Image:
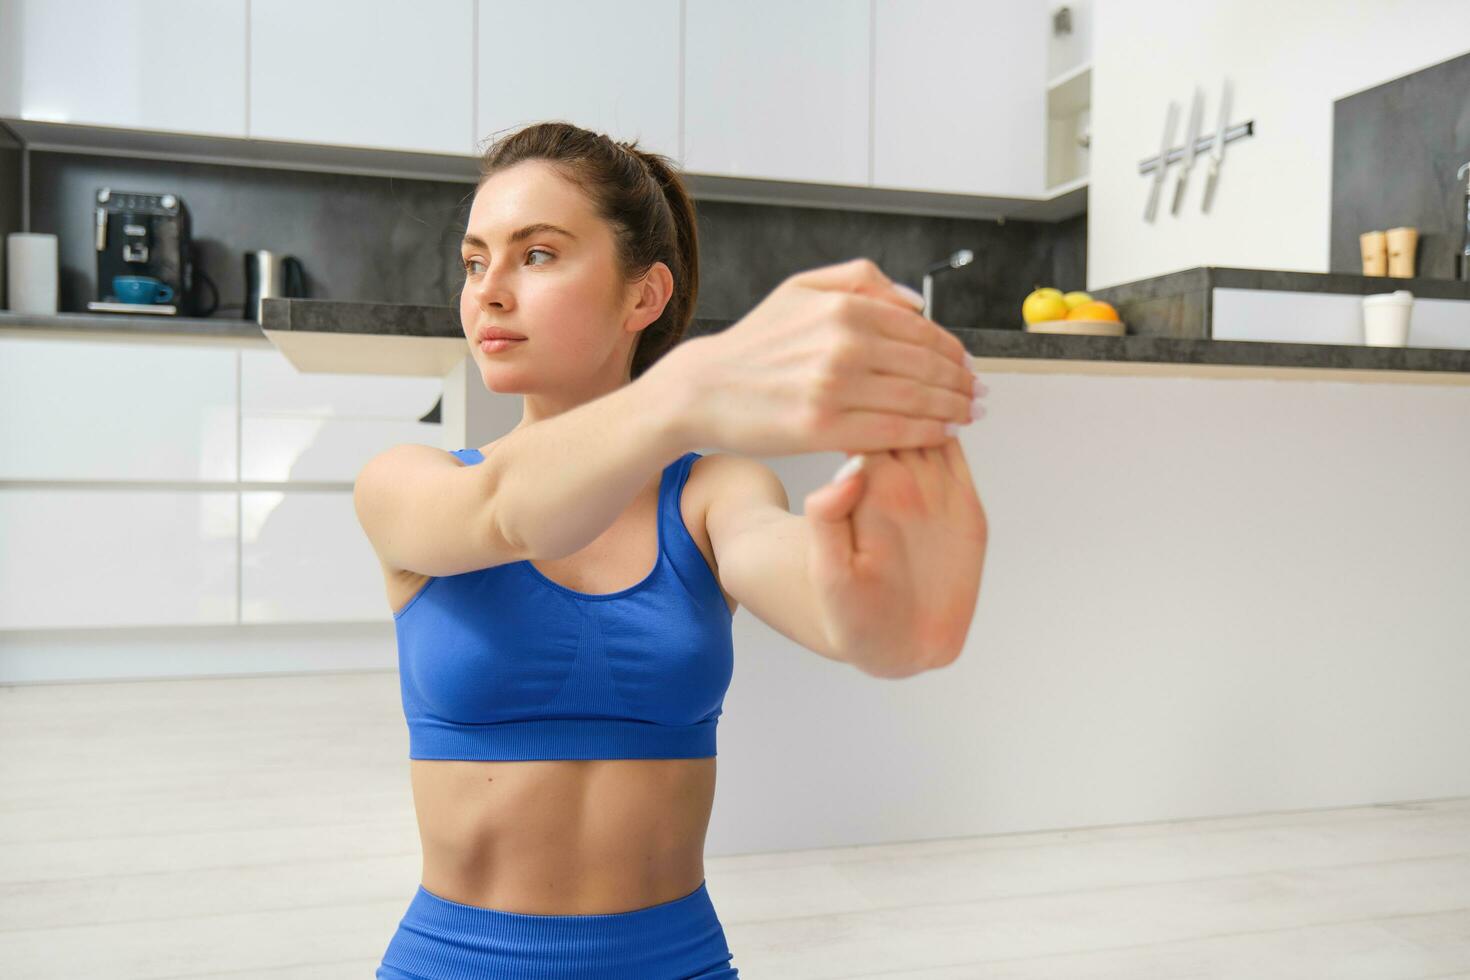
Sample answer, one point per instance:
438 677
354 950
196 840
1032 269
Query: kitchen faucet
963 257
1463 261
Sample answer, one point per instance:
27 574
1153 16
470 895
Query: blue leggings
442 940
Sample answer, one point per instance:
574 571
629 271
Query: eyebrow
540 227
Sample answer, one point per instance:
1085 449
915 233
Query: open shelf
1068 119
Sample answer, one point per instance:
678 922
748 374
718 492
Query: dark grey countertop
1210 276
1181 305
1083 352
142 324
997 349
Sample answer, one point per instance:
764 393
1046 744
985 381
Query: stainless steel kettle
270 274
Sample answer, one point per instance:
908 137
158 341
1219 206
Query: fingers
893 394
953 455
862 431
881 319
929 473
861 277
943 380
919 377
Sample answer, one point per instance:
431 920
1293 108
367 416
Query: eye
473 267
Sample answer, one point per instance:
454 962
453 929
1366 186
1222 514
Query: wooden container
1401 246
1375 253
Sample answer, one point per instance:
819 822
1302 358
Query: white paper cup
1386 318
30 272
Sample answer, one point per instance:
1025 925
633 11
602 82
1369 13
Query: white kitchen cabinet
780 90
305 559
304 449
366 73
104 557
608 67
325 427
270 385
960 96
117 410
164 65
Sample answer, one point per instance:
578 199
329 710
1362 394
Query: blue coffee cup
141 289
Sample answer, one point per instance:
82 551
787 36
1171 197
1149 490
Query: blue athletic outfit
502 663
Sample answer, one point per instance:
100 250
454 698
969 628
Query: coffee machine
144 252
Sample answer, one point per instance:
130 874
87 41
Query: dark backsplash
395 240
1395 150
10 216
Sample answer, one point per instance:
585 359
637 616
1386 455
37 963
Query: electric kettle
270 274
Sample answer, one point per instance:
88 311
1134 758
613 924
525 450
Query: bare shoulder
728 485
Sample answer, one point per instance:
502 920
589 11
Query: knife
1195 111
1170 121
1217 147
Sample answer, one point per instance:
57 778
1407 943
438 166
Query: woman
563 594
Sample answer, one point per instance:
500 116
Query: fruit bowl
1098 328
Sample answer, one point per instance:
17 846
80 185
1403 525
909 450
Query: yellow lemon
1075 299
1044 304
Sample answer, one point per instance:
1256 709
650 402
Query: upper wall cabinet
777 89
960 96
609 67
866 97
168 65
369 73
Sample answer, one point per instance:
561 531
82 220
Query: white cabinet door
777 89
325 427
104 557
960 96
98 410
370 73
167 65
609 67
305 559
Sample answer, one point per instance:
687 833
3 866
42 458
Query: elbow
899 668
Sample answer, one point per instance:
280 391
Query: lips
495 333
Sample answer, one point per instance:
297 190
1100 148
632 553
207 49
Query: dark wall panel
396 240
1395 150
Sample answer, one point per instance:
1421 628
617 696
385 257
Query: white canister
30 272
1386 318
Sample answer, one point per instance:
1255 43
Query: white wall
1288 62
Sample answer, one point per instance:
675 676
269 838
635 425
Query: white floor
252 828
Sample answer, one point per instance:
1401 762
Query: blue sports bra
503 663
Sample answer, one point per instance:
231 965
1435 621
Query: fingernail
913 297
979 386
848 468
976 409
950 428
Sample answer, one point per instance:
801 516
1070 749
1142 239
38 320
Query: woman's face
560 289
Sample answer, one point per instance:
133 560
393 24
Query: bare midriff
561 836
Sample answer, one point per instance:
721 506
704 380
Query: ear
651 294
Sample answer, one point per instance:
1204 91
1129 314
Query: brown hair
640 194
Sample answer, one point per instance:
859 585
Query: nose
491 289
